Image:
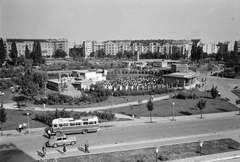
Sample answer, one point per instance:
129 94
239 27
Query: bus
70 125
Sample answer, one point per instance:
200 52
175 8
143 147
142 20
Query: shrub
47 117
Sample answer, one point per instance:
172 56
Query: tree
36 54
201 105
14 53
32 82
214 92
27 52
3 117
59 54
150 107
2 52
194 52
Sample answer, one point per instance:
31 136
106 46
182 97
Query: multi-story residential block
98 48
183 46
210 48
92 47
48 46
88 48
237 47
116 46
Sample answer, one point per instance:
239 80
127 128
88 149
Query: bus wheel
73 143
84 131
55 145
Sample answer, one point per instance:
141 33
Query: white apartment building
113 47
48 46
92 47
88 48
210 48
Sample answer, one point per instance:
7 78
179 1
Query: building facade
210 48
92 47
48 46
114 47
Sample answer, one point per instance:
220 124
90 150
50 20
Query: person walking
64 149
44 151
20 127
24 126
86 147
49 132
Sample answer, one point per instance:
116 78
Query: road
30 145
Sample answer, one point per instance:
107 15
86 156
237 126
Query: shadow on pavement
10 153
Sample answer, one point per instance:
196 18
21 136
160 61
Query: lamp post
200 146
238 105
112 101
28 122
173 112
156 151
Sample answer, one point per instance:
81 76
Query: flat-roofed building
48 46
116 46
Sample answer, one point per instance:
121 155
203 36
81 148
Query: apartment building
210 48
114 47
48 46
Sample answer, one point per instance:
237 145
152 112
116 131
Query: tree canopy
60 54
2 52
14 53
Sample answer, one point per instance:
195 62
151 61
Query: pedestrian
49 132
20 127
24 126
86 147
44 151
64 149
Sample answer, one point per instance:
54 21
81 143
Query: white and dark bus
70 125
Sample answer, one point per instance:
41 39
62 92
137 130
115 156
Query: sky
101 20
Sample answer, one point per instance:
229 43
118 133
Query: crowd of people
130 82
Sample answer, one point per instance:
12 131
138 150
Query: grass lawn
15 117
182 107
168 152
161 109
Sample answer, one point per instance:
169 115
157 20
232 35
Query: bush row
191 94
143 92
47 117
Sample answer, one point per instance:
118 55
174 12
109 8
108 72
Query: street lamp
238 103
173 112
200 146
156 151
28 122
112 101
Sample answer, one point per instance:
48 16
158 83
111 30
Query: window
85 123
54 125
78 123
65 124
91 122
72 124
60 124
59 139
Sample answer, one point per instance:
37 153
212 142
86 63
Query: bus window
90 122
85 123
55 125
78 123
72 124
65 124
60 124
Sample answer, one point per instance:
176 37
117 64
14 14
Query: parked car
61 139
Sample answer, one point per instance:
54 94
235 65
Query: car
1 93
61 139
